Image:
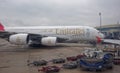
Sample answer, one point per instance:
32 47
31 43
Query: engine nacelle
19 39
49 41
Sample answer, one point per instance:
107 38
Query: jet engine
49 41
19 39
32 39
24 39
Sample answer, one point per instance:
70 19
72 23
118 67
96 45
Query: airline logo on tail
1 27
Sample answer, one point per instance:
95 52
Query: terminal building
110 31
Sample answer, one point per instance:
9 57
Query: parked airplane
50 35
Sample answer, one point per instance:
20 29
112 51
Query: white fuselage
73 33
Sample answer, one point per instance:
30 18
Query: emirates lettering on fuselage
69 31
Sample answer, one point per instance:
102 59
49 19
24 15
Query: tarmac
13 59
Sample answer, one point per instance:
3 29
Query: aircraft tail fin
1 27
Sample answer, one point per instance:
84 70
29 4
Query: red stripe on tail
1 27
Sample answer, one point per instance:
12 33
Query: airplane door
87 33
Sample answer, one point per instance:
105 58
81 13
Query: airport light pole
100 20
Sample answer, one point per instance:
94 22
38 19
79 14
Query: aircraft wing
5 34
112 41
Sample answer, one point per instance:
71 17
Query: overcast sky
59 12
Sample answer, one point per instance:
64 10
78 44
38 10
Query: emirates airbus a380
50 35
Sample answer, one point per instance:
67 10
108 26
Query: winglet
1 27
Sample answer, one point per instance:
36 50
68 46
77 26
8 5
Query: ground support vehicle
50 69
38 63
72 58
70 65
95 64
116 61
80 56
59 60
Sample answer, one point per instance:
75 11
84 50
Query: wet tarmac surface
13 59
